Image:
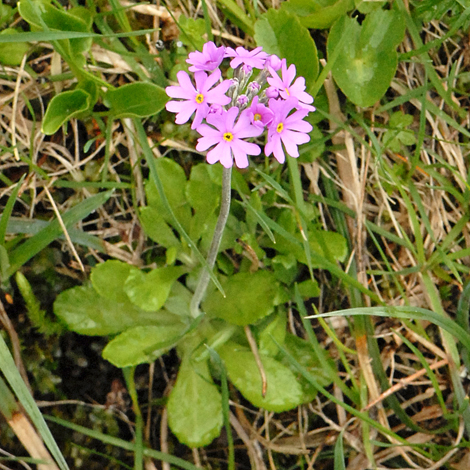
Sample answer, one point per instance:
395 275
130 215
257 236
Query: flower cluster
229 112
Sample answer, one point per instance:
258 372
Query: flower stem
216 239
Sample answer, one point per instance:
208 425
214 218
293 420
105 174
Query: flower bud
272 92
252 89
234 87
242 102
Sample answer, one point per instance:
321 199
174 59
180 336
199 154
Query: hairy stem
214 248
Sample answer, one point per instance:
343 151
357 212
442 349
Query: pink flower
227 136
286 88
255 58
259 114
207 60
196 99
288 130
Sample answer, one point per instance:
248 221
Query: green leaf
64 107
150 291
317 14
192 31
6 12
195 405
304 354
42 15
24 252
137 99
86 312
328 244
142 344
368 60
271 333
283 390
12 53
407 313
174 181
108 279
179 300
231 9
309 289
156 228
248 298
281 33
203 195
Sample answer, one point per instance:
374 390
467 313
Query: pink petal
279 152
246 147
241 160
180 92
212 79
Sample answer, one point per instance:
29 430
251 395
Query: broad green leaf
192 31
142 344
12 53
283 390
204 197
6 12
309 289
281 33
173 181
201 192
248 298
137 99
318 14
328 244
368 59
195 405
108 279
86 312
64 107
271 333
179 300
156 228
150 291
304 354
42 14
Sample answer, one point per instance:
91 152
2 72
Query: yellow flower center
287 91
228 137
199 98
279 127
257 117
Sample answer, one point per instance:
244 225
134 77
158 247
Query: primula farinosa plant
230 113
147 313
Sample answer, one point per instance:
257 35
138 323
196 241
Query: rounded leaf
11 53
108 279
283 390
84 311
141 344
368 59
150 291
248 298
318 14
137 99
195 405
281 33
63 107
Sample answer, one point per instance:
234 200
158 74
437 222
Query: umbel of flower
230 113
